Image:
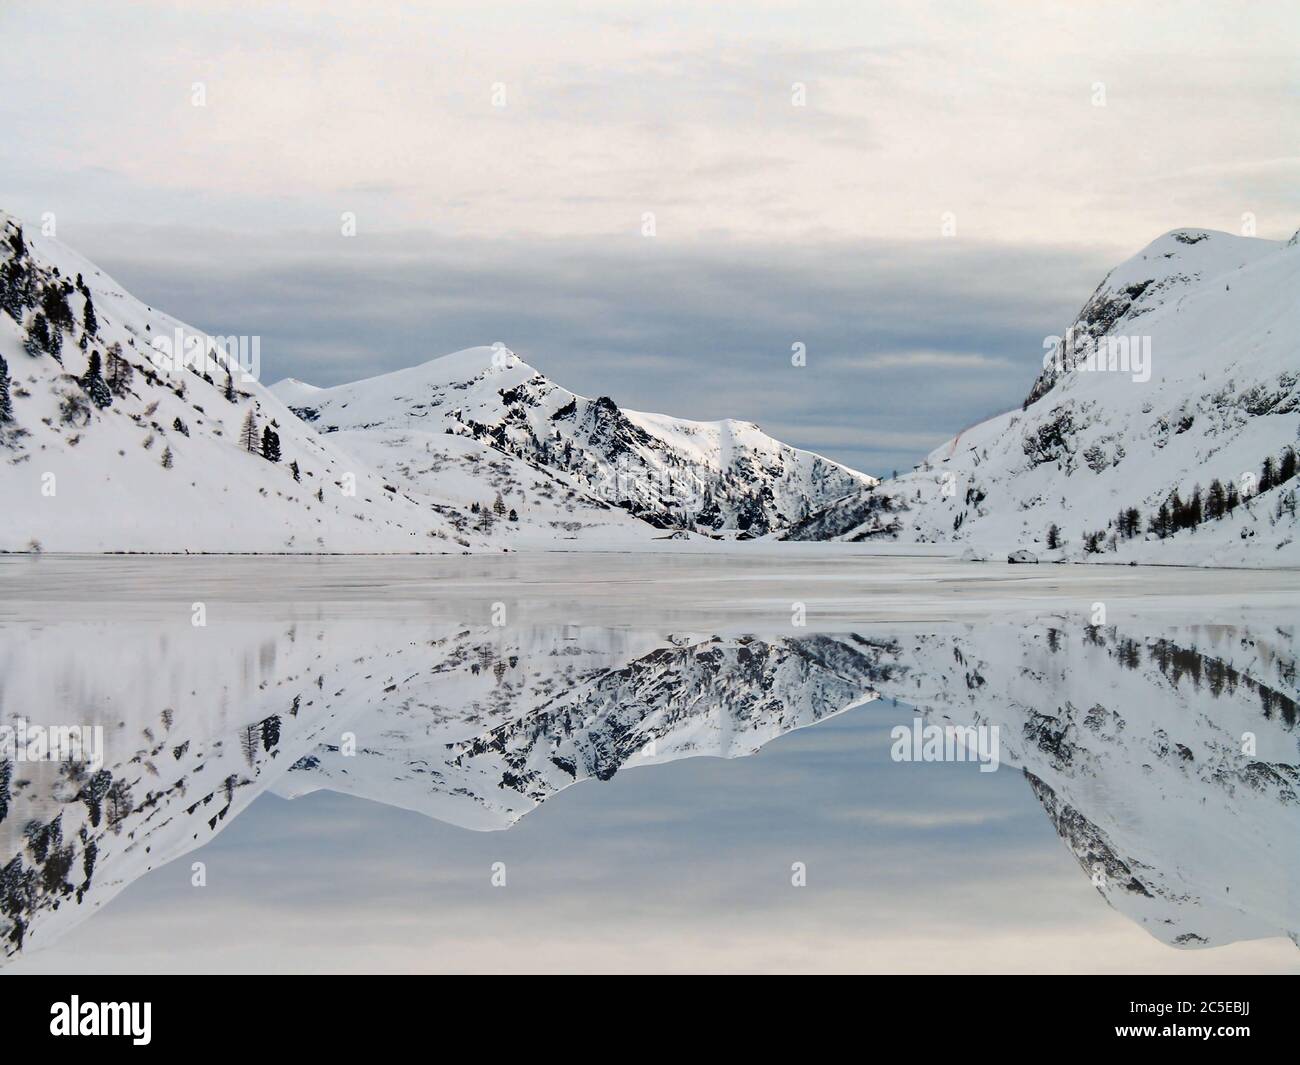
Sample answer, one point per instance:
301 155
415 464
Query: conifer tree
249 740
1268 474
1231 497
6 774
1214 501
248 437
54 302
38 336
117 371
167 458
270 445
93 382
15 296
88 321
1160 523
6 403
1286 469
271 732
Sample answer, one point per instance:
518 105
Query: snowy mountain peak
723 478
1164 273
291 390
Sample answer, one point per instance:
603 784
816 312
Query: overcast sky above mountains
775 224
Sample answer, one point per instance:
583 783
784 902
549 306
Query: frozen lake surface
838 583
526 763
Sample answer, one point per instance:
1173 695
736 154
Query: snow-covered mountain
421 425
109 443
1181 372
123 429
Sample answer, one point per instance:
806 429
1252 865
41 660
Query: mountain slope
720 478
1205 386
115 446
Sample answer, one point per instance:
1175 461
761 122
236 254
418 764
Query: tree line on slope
1176 514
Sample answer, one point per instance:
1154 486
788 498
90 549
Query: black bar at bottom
335 1014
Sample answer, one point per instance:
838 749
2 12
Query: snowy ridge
1219 318
473 451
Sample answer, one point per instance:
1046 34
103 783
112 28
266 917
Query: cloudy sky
919 193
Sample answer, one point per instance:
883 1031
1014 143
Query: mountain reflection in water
1165 757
